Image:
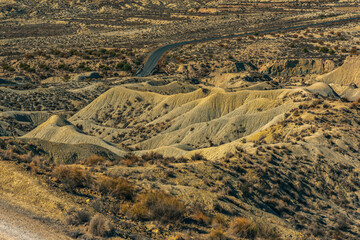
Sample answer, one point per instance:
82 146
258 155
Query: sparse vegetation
245 228
230 138
78 217
116 187
158 206
95 160
99 226
71 177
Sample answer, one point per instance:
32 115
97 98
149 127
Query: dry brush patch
116 187
100 226
246 228
95 160
71 177
157 205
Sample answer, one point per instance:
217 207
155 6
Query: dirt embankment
15 225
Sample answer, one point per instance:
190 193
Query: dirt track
15 226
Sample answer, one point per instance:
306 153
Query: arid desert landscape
179 120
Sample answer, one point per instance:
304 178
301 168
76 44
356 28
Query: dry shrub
2 144
99 226
71 177
36 164
353 50
152 156
243 228
98 205
28 55
158 206
27 158
78 217
218 220
95 160
197 157
217 234
34 167
246 228
343 223
116 187
130 160
201 218
9 154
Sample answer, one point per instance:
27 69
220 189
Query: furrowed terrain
253 137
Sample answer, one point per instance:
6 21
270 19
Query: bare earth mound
345 75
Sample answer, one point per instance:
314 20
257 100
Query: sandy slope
197 120
14 226
58 130
345 75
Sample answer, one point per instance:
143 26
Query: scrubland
252 137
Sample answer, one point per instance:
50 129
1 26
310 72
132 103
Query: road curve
155 56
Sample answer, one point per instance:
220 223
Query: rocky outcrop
287 67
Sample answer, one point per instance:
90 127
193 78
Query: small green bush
123 66
324 50
127 67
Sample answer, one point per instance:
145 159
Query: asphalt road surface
154 58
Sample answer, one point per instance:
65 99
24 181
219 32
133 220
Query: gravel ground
14 225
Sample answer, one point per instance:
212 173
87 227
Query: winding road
155 56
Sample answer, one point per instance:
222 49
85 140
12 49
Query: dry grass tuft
243 228
95 160
246 228
99 226
201 218
130 160
158 206
71 177
217 234
116 187
78 217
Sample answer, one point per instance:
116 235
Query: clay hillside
252 136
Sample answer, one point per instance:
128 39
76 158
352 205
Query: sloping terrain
203 118
351 92
14 225
348 73
176 125
70 8
47 98
32 195
20 122
298 172
290 67
59 130
219 118
249 137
